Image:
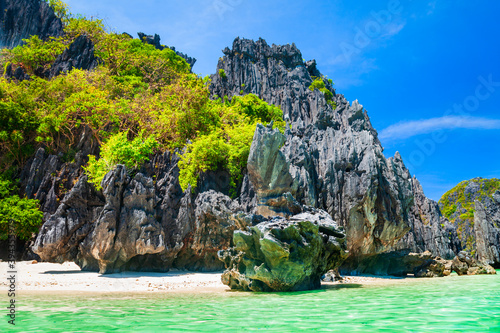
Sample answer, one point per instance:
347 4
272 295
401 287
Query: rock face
334 158
21 19
144 222
17 74
79 55
155 41
284 255
328 165
465 264
487 231
473 207
268 172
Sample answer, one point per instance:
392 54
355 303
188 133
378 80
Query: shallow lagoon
452 304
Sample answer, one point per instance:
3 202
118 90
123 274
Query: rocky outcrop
15 73
155 41
473 207
284 255
79 55
140 222
333 156
329 158
487 230
21 19
268 172
430 230
465 264
216 218
60 236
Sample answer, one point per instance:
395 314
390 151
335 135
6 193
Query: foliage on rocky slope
118 89
458 206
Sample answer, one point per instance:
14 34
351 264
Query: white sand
48 277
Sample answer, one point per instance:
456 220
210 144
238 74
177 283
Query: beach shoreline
43 277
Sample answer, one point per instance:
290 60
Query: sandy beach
49 277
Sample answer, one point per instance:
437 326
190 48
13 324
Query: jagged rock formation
284 255
473 207
487 230
330 159
334 157
268 172
144 222
155 41
21 19
465 264
430 231
49 178
79 55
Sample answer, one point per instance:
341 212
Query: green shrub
222 73
35 53
23 212
119 150
319 84
17 126
448 211
208 152
228 146
79 25
137 92
60 8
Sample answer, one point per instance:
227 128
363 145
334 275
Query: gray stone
465 264
487 232
79 55
284 255
335 160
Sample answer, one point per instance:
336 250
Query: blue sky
428 72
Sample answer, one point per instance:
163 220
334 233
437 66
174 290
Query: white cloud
404 130
393 29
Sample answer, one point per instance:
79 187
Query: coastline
46 277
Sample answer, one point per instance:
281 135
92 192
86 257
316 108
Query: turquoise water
453 304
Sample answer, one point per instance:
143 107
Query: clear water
453 304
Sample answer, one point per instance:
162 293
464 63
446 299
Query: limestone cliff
20 19
473 206
333 156
329 158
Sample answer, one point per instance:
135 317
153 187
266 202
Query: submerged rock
284 255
